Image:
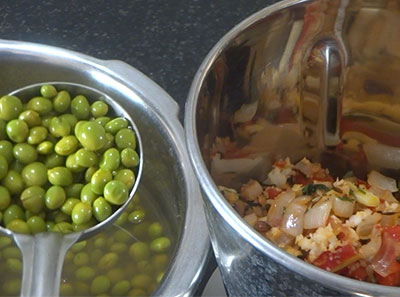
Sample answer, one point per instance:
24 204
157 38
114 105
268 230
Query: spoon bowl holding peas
70 162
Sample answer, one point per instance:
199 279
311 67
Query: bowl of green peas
69 161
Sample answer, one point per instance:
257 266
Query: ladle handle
43 258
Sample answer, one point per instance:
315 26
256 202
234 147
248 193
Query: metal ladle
43 253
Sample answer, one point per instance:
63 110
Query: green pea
144 266
82 289
108 261
99 109
100 284
18 226
50 225
17 130
3 166
87 225
66 145
95 256
81 213
110 160
123 217
89 173
16 166
54 160
119 247
48 91
101 209
121 288
122 236
59 127
160 261
31 117
36 224
141 281
55 197
5 198
72 165
66 289
129 157
33 199
74 190
69 205
70 118
45 148
62 101
13 182
108 144
34 174
5 241
91 135
29 214
137 216
160 245
11 252
63 227
125 138
15 265
3 132
81 259
116 275
87 195
139 251
59 176
61 217
137 293
80 107
159 277
140 230
99 179
6 150
115 125
126 176
10 107
46 119
100 241
37 135
86 158
41 105
102 120
25 153
12 287
115 192
79 246
155 230
85 273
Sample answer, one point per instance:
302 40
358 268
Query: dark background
165 39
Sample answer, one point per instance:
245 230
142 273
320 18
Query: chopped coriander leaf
312 188
345 198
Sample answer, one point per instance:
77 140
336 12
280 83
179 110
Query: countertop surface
165 39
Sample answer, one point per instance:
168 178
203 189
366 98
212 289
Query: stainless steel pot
318 79
168 181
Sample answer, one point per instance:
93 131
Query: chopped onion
275 212
343 208
382 156
293 219
382 182
383 194
245 113
251 219
251 190
369 250
318 215
389 219
364 229
305 167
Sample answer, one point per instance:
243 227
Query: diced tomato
323 176
338 259
385 261
272 192
280 163
390 280
359 273
363 182
301 179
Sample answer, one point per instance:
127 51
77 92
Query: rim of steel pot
222 206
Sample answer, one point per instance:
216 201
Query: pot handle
139 82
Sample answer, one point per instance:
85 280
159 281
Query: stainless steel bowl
168 181
320 79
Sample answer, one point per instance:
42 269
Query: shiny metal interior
168 183
300 78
